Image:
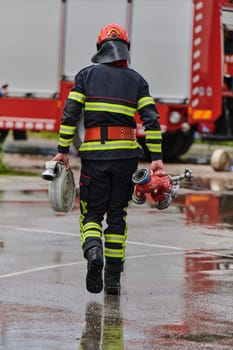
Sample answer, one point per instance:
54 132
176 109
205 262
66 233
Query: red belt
109 133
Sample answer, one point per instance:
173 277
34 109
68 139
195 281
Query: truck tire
17 134
20 134
3 134
176 144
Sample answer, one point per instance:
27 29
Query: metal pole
129 15
61 55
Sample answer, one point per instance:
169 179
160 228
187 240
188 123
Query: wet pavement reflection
176 287
209 209
103 326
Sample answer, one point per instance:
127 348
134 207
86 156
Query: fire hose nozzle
52 170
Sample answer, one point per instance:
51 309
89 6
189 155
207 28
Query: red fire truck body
208 108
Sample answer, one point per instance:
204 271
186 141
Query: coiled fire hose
62 189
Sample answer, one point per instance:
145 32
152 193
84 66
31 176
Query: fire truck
184 48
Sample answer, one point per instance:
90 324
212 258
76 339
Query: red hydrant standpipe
161 188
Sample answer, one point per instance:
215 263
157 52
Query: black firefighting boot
94 281
112 276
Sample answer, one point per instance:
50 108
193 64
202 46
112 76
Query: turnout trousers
105 191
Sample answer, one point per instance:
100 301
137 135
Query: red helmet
112 32
112 44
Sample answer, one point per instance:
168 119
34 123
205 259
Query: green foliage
214 142
43 134
3 167
4 170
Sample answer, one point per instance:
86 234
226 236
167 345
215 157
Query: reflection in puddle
104 326
200 320
204 318
208 209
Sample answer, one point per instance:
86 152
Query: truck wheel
3 134
20 134
176 144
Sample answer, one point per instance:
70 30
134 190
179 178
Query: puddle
209 209
207 286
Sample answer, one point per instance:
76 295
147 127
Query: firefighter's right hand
157 168
62 157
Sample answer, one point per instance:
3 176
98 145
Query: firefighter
110 93
3 93
4 90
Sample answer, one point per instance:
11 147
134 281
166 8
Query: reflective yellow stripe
156 135
144 101
90 229
66 129
154 147
77 96
112 253
83 208
114 238
108 145
93 225
110 107
64 142
90 233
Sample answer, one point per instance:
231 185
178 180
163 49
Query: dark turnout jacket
110 95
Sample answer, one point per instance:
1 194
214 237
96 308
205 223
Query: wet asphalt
176 286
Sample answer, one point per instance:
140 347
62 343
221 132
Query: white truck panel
160 42
84 20
227 18
161 45
29 45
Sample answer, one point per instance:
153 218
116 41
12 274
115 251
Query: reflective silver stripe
110 107
154 147
144 101
77 96
66 129
108 145
150 134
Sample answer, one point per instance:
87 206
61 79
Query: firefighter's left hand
157 167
